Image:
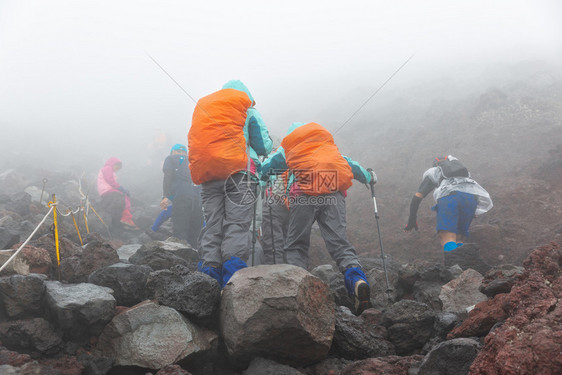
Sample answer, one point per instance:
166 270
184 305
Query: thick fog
77 84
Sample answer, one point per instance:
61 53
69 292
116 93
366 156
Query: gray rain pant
275 218
228 206
329 211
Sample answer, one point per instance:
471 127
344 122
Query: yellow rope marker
99 217
85 220
76 226
54 203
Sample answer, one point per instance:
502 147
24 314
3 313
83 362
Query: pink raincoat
107 183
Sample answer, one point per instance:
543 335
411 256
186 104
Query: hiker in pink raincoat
114 197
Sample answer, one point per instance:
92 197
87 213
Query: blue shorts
455 212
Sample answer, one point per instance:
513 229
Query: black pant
187 219
114 203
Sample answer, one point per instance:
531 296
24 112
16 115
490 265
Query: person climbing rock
459 198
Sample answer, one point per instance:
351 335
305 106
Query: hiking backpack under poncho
451 167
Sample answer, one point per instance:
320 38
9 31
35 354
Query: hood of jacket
112 161
238 85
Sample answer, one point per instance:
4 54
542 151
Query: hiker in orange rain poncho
321 177
226 137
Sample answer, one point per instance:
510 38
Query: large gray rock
22 296
161 255
153 336
33 335
8 238
37 193
193 293
80 310
356 339
280 312
96 254
452 357
19 203
428 292
410 325
128 282
127 251
463 292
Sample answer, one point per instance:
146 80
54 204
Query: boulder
280 312
461 293
126 251
33 335
128 282
192 293
67 248
22 296
452 357
500 279
8 238
531 336
153 336
354 338
96 255
165 254
8 357
37 194
80 310
428 292
410 325
19 203
12 181
32 260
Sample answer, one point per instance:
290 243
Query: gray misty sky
78 71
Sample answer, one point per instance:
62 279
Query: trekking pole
372 183
254 229
269 202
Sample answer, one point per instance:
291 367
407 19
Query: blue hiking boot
230 267
214 271
358 288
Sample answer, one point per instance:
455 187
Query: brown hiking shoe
362 297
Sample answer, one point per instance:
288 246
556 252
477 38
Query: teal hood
294 126
238 85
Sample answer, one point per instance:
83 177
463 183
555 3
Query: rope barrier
85 205
26 241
